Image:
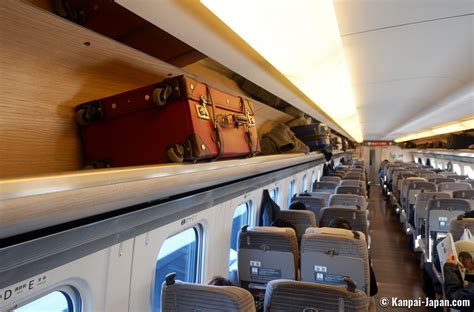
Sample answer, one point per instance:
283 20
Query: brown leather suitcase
178 119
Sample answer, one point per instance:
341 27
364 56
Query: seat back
470 182
401 177
421 205
350 190
458 224
286 295
314 204
456 177
180 296
325 187
301 219
267 253
333 179
439 180
449 187
404 190
357 183
348 200
356 217
322 195
413 189
354 177
329 255
465 194
439 214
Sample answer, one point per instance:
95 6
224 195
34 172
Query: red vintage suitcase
178 119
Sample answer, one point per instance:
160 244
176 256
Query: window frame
71 293
249 207
470 175
198 274
291 190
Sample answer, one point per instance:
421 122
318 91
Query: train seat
330 179
439 180
348 200
356 217
351 190
265 254
470 182
458 224
325 187
347 182
314 204
181 296
328 255
450 187
420 208
318 194
465 194
412 190
439 214
286 295
301 219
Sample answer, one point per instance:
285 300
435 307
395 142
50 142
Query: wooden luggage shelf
48 66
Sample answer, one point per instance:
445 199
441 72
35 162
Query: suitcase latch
201 108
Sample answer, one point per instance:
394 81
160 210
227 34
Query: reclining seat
329 255
439 180
317 194
404 189
348 200
439 214
401 177
265 254
450 187
286 295
413 189
351 190
421 206
458 224
324 187
333 179
357 217
465 194
301 219
313 204
346 182
470 182
180 296
456 177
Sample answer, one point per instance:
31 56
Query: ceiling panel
404 71
365 15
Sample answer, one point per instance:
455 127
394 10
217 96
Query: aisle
396 267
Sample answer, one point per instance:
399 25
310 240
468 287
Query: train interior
107 205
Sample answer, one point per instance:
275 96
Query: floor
396 266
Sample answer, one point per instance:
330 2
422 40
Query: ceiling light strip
301 39
454 127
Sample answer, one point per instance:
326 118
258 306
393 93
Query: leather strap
249 133
217 127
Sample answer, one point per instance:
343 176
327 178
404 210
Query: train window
440 165
291 191
240 218
313 177
179 253
457 169
275 195
56 301
469 172
303 186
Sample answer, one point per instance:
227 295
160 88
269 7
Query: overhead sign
379 143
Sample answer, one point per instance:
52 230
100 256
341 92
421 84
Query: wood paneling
48 66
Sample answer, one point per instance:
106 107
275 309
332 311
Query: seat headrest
181 296
334 232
